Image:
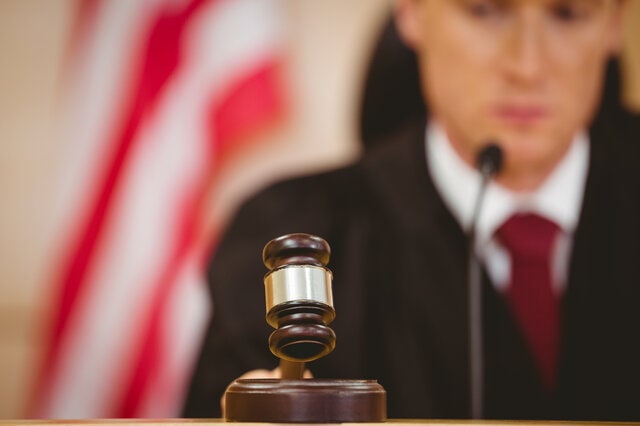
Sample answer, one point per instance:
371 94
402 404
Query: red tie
529 239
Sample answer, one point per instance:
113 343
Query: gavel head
298 297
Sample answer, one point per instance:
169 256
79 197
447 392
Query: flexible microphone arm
489 163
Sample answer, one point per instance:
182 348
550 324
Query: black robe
399 260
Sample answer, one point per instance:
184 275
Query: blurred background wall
328 44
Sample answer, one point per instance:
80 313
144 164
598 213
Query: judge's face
525 73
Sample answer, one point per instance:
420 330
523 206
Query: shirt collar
558 199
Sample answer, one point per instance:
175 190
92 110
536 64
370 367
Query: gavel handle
291 370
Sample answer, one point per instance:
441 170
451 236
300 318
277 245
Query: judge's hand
276 373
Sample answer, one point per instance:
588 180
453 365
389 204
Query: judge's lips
521 115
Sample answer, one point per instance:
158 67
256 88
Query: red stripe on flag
250 103
162 57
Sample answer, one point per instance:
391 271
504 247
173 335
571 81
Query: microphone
489 163
489 160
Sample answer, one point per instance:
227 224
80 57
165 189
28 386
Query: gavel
299 306
299 301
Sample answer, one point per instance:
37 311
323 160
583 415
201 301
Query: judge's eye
570 11
485 8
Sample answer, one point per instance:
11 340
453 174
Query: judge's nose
524 52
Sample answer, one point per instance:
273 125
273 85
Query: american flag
157 94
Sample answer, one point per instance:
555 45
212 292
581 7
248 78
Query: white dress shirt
558 199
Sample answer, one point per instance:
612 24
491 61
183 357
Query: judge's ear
408 22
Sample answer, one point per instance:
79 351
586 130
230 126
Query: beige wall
329 40
31 39
631 58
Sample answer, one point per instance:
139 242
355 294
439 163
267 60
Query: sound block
305 401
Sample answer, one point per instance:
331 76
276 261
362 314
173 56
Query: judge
558 237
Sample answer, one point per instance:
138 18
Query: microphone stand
489 163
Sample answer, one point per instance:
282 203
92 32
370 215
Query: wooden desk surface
217 422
